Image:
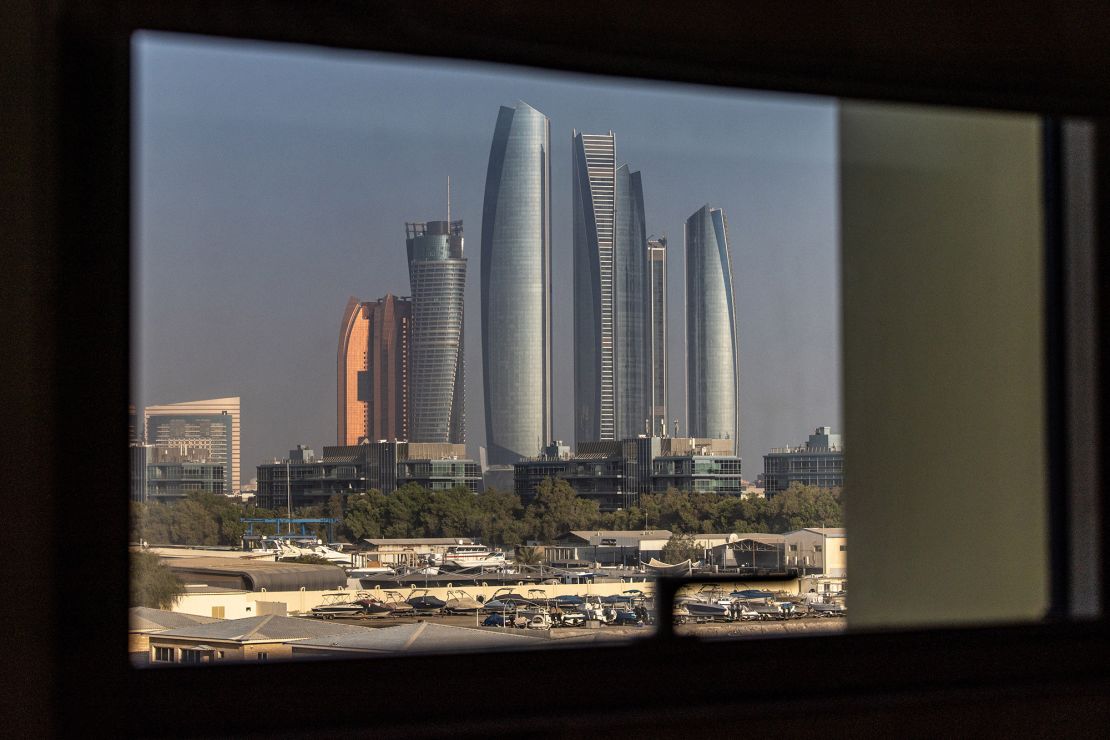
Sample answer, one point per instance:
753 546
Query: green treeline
493 517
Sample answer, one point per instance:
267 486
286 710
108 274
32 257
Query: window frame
840 52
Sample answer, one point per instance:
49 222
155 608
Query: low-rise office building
819 462
818 550
171 472
616 473
607 547
410 550
346 469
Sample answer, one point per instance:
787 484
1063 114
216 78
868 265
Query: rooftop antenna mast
448 203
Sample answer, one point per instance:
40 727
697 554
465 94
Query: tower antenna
448 202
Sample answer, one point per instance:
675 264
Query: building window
218 612
793 548
163 655
844 548
191 656
260 656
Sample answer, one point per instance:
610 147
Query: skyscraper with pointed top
712 373
612 305
516 286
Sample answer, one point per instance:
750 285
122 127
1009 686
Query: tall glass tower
612 395
437 277
712 373
516 286
657 279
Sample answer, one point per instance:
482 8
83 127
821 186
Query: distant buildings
615 473
373 370
612 295
437 276
711 368
516 286
819 462
212 425
345 469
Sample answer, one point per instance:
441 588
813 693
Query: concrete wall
941 224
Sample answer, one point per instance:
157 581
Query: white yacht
473 556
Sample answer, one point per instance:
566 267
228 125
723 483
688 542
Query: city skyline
215 214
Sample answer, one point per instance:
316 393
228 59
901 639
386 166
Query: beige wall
943 353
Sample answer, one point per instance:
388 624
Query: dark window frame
839 50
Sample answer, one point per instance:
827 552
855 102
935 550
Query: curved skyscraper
437 276
516 286
612 309
711 369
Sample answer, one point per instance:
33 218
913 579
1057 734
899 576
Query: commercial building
410 551
657 332
819 462
612 302
608 547
175 471
711 369
516 286
437 278
214 423
616 473
373 370
818 550
345 469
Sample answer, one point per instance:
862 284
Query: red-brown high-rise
373 361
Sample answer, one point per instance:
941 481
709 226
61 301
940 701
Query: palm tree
528 556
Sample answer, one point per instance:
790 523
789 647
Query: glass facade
657 278
711 370
516 286
612 356
437 275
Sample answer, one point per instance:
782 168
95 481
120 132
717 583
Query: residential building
657 332
373 370
819 462
612 306
818 550
214 421
516 286
345 469
616 473
259 638
712 374
437 278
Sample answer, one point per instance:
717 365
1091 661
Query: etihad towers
712 373
516 286
612 295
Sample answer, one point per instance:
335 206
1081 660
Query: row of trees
494 517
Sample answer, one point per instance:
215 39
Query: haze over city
275 182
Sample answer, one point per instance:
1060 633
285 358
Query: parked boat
372 607
460 602
703 609
472 556
423 602
397 604
828 610
337 605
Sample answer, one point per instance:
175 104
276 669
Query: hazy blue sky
275 181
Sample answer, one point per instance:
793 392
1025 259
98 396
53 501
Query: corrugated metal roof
422 541
424 637
257 575
145 619
268 627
